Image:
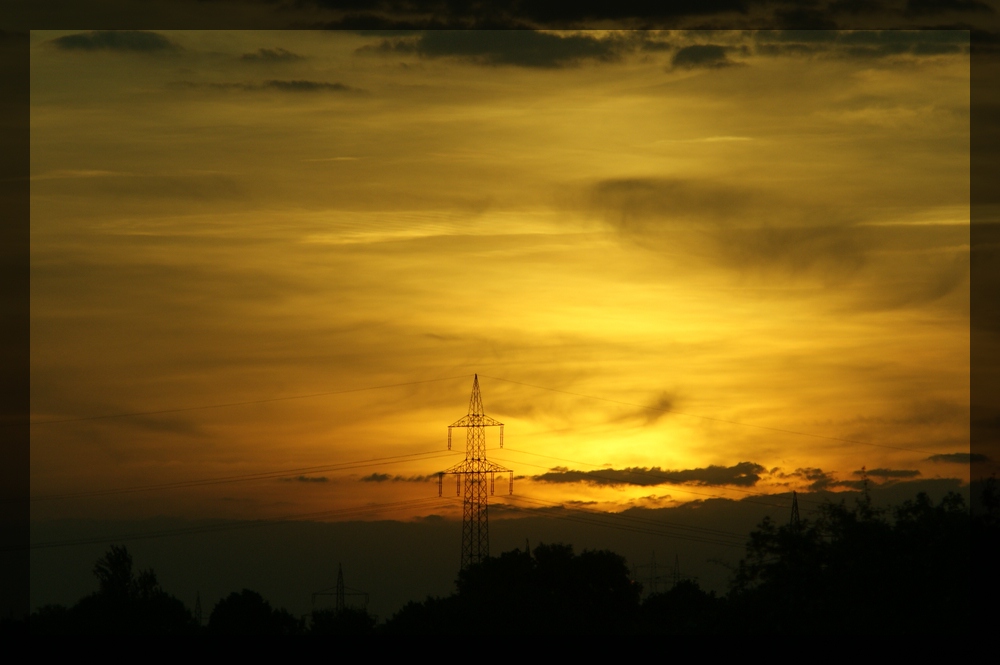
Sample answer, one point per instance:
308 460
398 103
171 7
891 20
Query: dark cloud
306 86
768 234
641 204
860 43
522 48
306 479
664 403
512 14
116 40
386 25
744 474
820 480
795 249
596 10
927 7
888 473
710 56
507 37
813 36
741 228
388 478
959 458
817 478
272 55
855 7
273 84
804 18
852 484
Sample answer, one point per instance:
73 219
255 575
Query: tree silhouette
986 546
853 570
116 579
551 591
683 610
348 621
247 613
125 603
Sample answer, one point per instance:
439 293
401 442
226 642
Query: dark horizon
396 562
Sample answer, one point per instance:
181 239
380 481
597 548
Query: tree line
850 569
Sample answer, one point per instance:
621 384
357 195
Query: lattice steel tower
472 474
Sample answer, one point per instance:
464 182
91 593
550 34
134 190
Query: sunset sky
683 264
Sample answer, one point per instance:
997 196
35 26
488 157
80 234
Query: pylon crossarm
476 421
461 467
495 468
476 466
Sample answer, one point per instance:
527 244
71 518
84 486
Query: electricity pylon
472 474
340 589
340 593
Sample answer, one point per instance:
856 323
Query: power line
719 420
264 475
521 383
424 455
256 401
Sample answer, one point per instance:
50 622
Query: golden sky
761 235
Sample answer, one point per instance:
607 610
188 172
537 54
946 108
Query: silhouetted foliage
116 579
11 627
683 610
848 570
852 570
247 613
551 591
986 549
349 621
125 603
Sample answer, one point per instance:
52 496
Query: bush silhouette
551 591
247 613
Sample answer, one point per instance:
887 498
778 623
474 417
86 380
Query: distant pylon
653 577
794 521
340 588
340 593
472 473
675 576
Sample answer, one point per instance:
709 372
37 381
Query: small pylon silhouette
472 473
340 589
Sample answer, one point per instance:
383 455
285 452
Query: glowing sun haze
731 239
